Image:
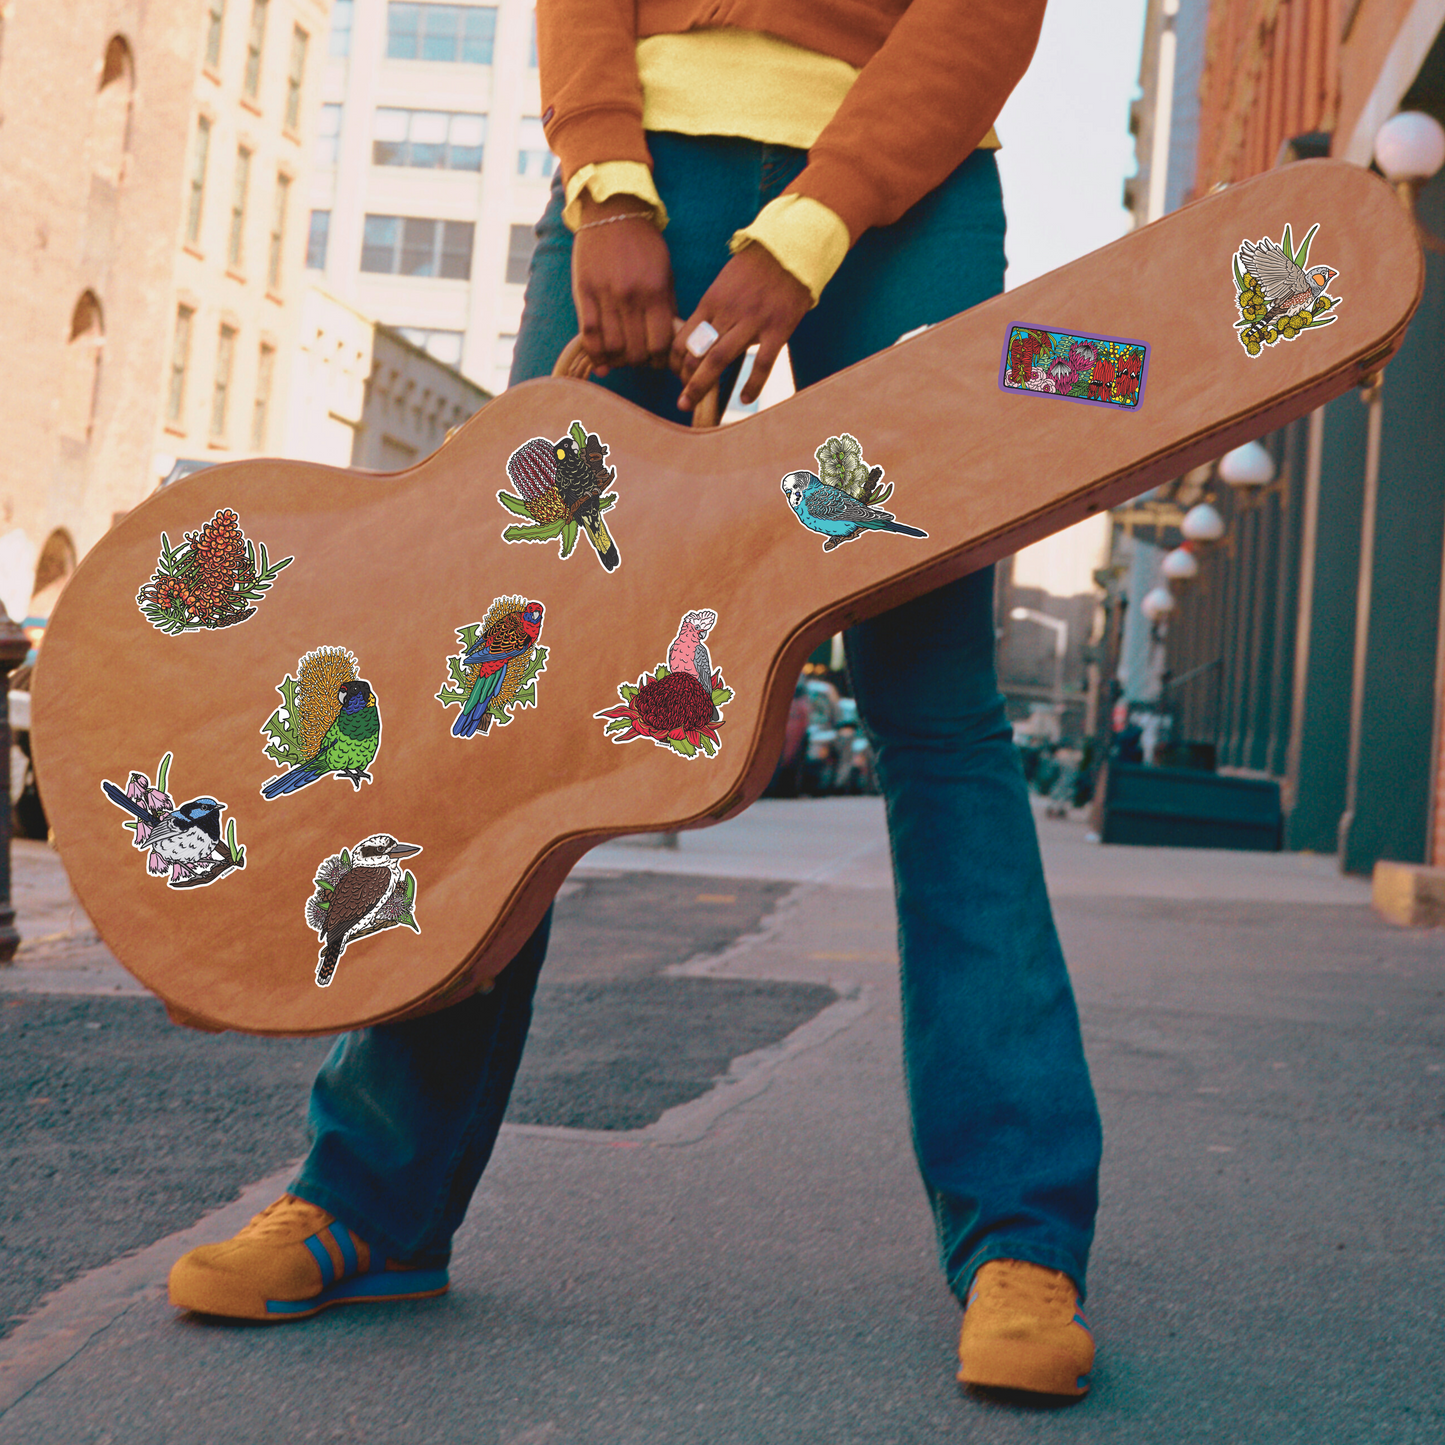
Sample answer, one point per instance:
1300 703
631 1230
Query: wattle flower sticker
679 704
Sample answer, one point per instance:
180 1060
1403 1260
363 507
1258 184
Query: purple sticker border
1085 336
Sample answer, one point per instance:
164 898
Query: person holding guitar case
842 152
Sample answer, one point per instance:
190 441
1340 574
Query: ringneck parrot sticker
214 577
183 843
842 499
328 724
561 490
495 667
679 704
1279 292
360 891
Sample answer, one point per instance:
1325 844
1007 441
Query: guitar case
319 746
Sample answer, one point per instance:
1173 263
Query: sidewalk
757 1265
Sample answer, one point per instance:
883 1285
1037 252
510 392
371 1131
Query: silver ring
704 335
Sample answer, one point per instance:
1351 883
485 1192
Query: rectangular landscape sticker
1099 370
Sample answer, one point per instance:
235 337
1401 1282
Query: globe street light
1247 466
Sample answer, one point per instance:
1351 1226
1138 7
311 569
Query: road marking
717 897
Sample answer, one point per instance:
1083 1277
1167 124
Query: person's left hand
753 300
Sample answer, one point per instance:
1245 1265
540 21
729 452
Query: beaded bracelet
608 220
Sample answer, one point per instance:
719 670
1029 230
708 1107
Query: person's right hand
622 287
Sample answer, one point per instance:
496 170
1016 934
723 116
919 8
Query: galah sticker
679 704
1095 370
214 577
561 489
1278 292
184 843
495 667
328 724
360 891
843 498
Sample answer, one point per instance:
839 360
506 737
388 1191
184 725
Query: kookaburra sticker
360 891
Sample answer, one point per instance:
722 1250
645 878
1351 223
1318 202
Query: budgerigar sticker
360 891
1099 370
212 578
184 845
496 666
1278 292
679 705
841 500
562 489
328 724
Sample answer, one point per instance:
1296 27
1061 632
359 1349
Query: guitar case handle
575 362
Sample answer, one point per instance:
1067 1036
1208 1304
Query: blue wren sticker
562 487
328 722
360 891
1100 370
843 501
183 844
1278 292
496 668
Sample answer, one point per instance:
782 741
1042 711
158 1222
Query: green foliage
841 465
537 532
578 433
721 696
284 731
238 854
460 685
162 772
515 505
569 538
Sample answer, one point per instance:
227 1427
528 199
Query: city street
703 1222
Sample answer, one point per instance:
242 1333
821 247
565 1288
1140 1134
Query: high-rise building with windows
429 169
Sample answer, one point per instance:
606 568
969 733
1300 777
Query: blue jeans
1005 1128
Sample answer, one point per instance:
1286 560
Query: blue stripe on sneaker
322 1256
342 1237
385 1284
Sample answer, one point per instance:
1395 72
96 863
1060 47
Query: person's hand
753 300
622 287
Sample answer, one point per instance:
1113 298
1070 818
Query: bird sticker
841 503
184 844
1279 292
360 891
496 667
679 705
561 489
213 578
328 724
1099 370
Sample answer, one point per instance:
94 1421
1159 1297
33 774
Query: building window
432 139
506 349
534 158
255 43
316 238
199 150
80 381
278 233
445 346
416 246
180 359
214 20
459 33
265 370
112 111
295 74
342 15
328 136
532 48
521 242
221 391
238 207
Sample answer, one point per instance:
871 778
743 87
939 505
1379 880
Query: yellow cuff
802 235
608 179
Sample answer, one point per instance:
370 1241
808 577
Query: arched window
52 571
80 381
112 111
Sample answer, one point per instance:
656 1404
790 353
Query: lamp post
1061 646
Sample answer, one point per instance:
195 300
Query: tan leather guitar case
422 872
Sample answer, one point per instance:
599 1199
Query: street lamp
1061 646
1409 149
1202 523
1247 466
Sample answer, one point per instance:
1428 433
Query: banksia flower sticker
678 705
561 488
1278 292
213 578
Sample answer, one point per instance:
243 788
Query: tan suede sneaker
1022 1330
291 1261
